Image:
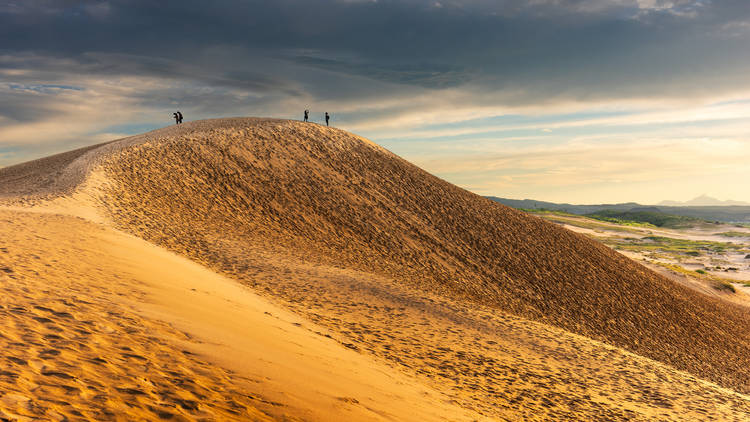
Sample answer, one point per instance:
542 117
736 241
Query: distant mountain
703 201
728 211
570 208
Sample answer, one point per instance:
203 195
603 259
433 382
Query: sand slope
100 325
72 349
327 196
392 269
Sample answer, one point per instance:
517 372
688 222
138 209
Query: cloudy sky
582 101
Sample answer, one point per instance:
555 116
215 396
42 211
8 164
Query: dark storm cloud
425 75
372 59
423 43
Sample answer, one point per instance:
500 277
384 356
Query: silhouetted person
179 116
327 118
176 118
307 114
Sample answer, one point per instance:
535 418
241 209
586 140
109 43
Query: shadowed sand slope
49 174
464 296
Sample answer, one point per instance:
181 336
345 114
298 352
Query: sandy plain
720 258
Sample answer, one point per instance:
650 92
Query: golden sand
354 287
100 325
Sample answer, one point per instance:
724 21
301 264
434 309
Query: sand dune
466 308
71 349
328 197
101 325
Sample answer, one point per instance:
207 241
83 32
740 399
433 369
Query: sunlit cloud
575 100
605 115
609 166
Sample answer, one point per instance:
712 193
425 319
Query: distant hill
570 208
722 213
646 215
703 201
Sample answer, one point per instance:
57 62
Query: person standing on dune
176 118
179 116
327 117
307 114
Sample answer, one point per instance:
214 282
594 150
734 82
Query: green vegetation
717 283
734 234
646 219
579 221
724 285
544 211
680 246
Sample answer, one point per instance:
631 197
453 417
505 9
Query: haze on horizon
579 101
